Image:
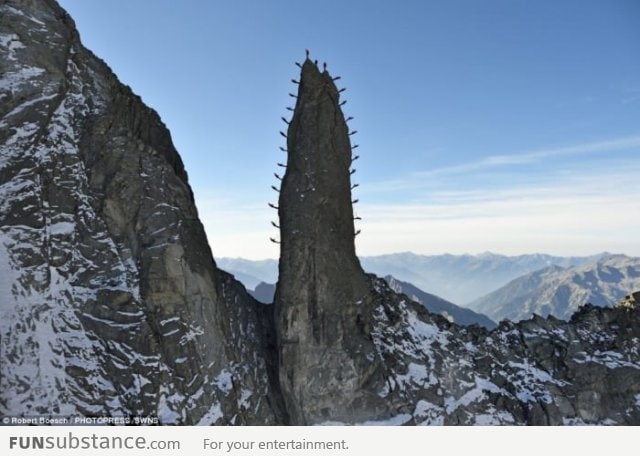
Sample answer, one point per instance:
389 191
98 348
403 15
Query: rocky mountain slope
437 305
560 292
111 303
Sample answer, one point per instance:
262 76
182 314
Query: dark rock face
111 302
322 341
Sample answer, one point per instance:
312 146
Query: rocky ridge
561 291
536 372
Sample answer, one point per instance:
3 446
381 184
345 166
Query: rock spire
322 286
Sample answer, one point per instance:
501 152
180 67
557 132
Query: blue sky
510 126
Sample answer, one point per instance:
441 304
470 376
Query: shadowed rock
321 286
110 301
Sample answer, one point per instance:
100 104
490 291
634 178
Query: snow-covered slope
560 292
110 302
538 372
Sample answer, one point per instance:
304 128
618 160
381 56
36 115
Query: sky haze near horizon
503 125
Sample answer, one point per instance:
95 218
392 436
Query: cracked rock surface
110 303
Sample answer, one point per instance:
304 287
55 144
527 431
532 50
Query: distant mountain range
462 278
456 278
560 291
496 286
250 272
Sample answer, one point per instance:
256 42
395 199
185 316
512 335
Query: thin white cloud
631 99
418 179
580 212
630 142
577 217
581 215
631 95
564 226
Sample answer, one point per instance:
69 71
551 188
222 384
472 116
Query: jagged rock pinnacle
321 281
315 201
